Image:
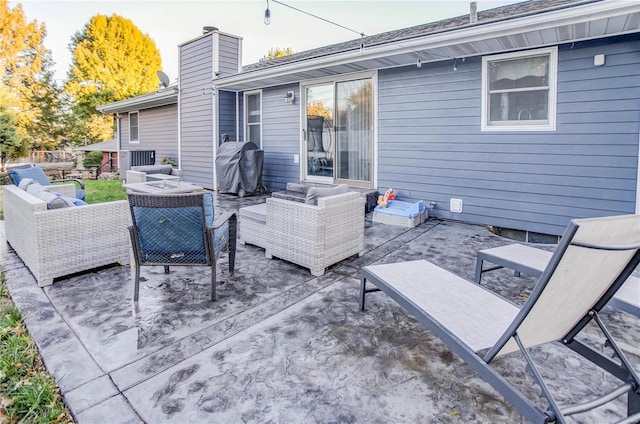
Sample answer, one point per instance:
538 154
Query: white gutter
159 98
470 33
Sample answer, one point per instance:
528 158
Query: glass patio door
354 132
318 134
338 132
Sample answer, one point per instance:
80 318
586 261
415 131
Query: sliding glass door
338 132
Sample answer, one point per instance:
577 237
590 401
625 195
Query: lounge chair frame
481 363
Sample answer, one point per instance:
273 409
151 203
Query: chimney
208 29
473 12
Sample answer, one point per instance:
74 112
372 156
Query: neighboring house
522 117
146 127
109 151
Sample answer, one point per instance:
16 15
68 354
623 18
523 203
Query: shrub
92 159
169 161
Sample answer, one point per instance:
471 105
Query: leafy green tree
277 52
25 73
47 126
12 145
112 60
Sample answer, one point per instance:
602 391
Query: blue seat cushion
176 235
80 194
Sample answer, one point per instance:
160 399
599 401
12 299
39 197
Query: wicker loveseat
315 237
54 243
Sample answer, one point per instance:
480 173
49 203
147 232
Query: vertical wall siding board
280 137
431 147
196 103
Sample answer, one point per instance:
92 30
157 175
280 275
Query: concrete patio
282 346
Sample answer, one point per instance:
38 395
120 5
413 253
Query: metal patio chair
180 230
593 260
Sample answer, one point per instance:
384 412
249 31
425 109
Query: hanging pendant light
267 15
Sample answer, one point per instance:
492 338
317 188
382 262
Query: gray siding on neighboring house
196 110
159 131
280 137
228 56
227 114
430 146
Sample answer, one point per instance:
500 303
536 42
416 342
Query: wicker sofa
315 237
138 174
59 242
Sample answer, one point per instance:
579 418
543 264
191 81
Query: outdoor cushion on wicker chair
182 230
593 260
36 173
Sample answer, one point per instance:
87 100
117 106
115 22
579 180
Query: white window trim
553 90
246 116
138 139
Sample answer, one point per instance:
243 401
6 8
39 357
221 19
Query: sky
173 22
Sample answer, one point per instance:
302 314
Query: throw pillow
24 183
53 200
35 173
74 201
314 193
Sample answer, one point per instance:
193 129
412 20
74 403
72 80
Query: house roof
103 146
530 24
162 97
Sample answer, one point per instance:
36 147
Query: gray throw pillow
25 182
53 200
314 193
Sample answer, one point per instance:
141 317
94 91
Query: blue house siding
430 146
196 110
280 137
227 114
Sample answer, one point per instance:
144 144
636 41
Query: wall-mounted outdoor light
289 97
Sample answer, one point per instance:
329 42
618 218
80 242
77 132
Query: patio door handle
304 135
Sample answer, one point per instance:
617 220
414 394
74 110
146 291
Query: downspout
216 139
638 179
119 140
237 117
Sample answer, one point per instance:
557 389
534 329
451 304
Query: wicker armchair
315 237
55 243
180 230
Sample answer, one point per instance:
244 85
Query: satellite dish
164 79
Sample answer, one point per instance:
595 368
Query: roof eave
468 33
145 101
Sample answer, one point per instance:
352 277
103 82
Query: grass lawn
100 191
28 394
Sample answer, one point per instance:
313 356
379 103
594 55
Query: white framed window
519 91
134 127
253 117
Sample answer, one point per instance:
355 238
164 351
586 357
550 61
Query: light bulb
267 16
419 63
455 66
